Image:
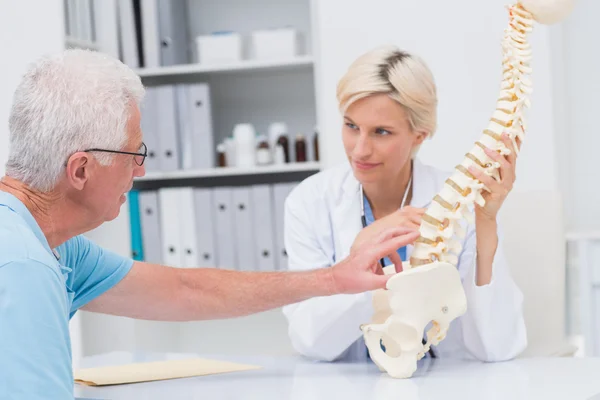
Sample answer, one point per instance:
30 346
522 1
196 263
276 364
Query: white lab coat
322 219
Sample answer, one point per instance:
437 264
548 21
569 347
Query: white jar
263 150
278 155
230 152
244 136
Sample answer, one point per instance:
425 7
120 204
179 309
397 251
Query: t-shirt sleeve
95 270
34 333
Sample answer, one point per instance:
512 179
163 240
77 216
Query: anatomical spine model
430 288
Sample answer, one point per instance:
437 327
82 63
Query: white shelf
71 41
583 235
230 171
246 65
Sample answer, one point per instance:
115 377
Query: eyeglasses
138 157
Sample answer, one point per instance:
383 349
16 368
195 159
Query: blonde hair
404 77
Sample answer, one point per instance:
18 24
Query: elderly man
75 148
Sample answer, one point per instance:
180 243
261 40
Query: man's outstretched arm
156 292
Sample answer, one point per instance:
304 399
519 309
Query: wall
460 42
581 102
27 35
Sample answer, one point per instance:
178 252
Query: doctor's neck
385 195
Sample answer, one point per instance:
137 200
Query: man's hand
155 292
361 271
406 217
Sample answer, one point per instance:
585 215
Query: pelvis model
430 288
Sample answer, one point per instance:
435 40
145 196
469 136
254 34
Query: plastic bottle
300 148
279 155
276 129
284 143
230 152
221 156
245 144
263 151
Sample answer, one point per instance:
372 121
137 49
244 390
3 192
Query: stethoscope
363 218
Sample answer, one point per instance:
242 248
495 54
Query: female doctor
388 101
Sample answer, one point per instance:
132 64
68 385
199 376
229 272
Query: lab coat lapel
424 185
424 189
346 216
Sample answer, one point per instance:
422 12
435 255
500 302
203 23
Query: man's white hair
69 102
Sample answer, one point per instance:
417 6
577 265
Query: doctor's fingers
412 222
392 242
508 171
416 219
491 185
404 218
410 210
512 157
391 233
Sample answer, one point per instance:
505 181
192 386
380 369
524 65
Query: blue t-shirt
40 290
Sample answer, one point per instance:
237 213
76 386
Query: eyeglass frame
144 154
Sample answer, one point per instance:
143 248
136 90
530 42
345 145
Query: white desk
296 378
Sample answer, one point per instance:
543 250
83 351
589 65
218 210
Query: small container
244 136
230 152
222 157
284 143
300 148
276 129
263 151
219 47
269 44
279 155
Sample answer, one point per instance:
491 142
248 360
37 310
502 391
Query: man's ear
78 169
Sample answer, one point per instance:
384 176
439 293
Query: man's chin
111 217
114 214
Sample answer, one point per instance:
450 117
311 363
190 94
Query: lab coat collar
347 214
424 185
424 188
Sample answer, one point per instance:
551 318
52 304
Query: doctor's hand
361 271
406 217
498 189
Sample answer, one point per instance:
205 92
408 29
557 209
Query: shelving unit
201 70
80 28
253 91
230 171
228 176
73 42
